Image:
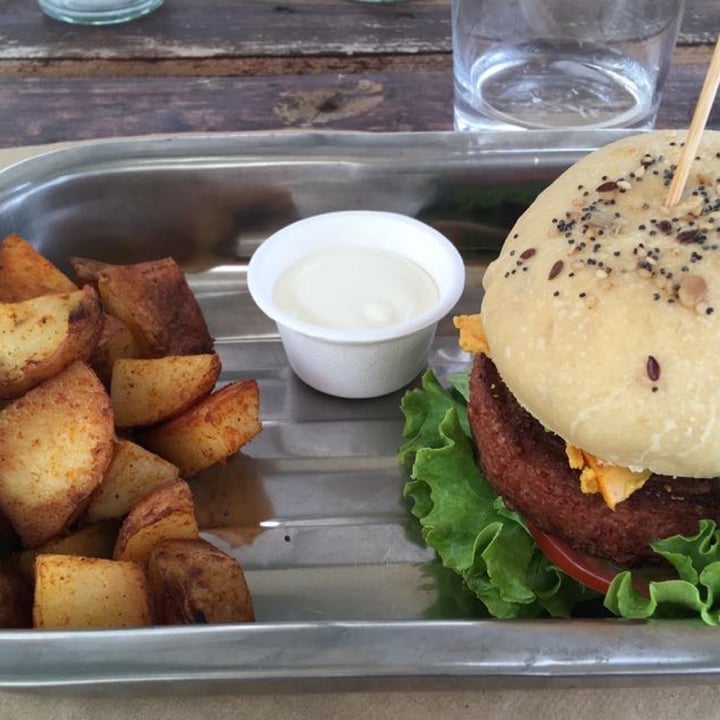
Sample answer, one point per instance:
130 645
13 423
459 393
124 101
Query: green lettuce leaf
488 546
463 519
694 593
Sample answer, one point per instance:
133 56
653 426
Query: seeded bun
602 312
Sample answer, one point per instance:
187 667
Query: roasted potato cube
79 592
133 472
146 392
42 336
87 270
56 443
16 598
26 274
165 513
193 582
96 540
9 540
154 300
116 341
210 431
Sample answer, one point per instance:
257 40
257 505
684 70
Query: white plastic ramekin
367 362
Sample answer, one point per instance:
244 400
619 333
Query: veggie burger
594 393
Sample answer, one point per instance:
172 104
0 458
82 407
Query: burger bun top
602 312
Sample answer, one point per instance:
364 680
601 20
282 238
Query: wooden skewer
697 125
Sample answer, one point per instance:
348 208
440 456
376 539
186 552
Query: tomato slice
591 571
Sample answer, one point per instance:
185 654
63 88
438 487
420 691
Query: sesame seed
556 269
608 186
652 367
688 236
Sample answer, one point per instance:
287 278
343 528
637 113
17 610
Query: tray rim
357 650
62 156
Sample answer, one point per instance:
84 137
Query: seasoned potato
87 270
42 336
146 392
56 443
15 598
26 274
165 513
88 515
133 472
192 582
116 341
154 300
9 540
210 431
96 540
79 592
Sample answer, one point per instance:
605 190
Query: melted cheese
614 482
472 335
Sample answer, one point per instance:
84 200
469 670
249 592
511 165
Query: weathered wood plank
281 28
214 67
226 28
48 110
698 55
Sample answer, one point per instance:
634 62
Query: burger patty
527 465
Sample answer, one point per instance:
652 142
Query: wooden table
236 65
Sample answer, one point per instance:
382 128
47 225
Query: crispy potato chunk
146 392
96 540
165 513
87 270
26 274
210 431
116 341
9 540
133 472
56 443
193 582
154 300
79 592
15 598
42 336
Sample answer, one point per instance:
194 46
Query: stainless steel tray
312 508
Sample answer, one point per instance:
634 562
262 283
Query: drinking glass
98 12
545 64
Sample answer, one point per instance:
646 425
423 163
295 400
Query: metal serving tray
343 589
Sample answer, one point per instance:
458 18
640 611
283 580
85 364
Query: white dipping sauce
354 288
